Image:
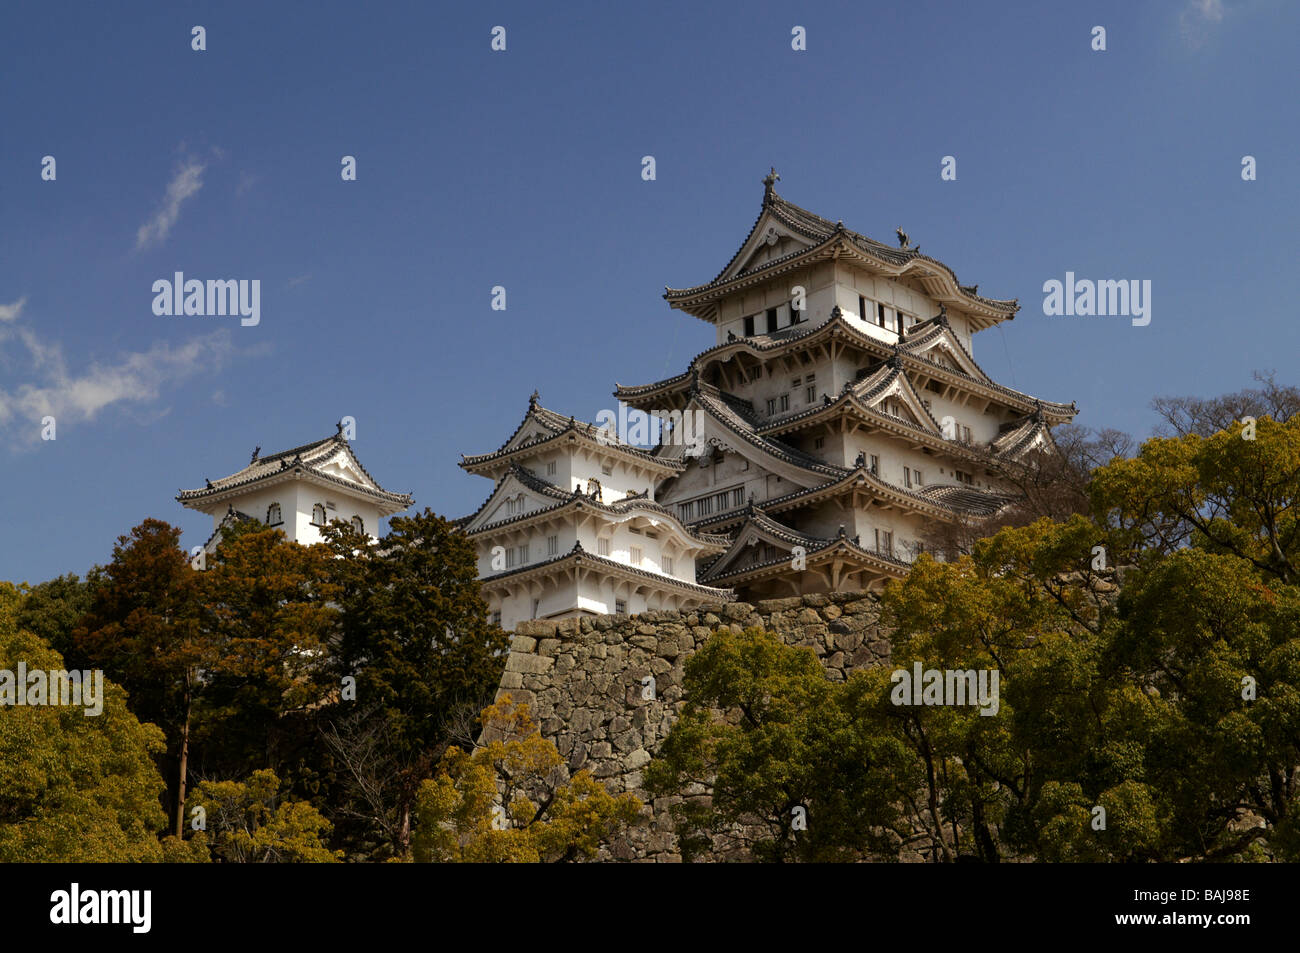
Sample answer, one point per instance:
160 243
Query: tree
52 610
143 630
1049 482
538 819
73 788
1206 416
1235 492
247 822
267 621
415 636
797 769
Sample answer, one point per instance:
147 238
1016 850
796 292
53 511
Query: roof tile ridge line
827 544
916 395
849 397
481 458
264 458
1007 305
576 498
288 472
952 335
527 414
347 484
339 438
851 476
627 504
781 451
578 551
590 430
758 274
777 204
760 516
989 382
741 342
762 210
496 488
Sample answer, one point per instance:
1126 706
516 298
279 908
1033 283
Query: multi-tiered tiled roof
305 462
831 239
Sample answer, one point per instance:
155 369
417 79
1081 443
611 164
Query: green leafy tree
143 629
267 622
73 787
415 636
790 741
52 610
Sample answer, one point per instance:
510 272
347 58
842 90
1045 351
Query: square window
602 546
635 556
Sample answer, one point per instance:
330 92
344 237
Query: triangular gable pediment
712 431
768 241
511 499
753 544
945 351
530 431
899 399
346 467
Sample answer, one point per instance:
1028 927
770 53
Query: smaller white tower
298 491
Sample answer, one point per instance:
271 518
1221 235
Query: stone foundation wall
583 680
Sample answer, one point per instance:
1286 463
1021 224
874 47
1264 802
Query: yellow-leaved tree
505 800
249 822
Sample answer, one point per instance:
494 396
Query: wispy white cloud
10 311
186 182
1198 18
247 180
295 282
132 380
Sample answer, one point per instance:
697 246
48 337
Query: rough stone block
528 663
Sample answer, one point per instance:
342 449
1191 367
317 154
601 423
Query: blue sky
479 168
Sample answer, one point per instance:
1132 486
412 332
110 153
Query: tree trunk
179 829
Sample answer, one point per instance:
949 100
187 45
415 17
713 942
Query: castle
838 416
839 413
